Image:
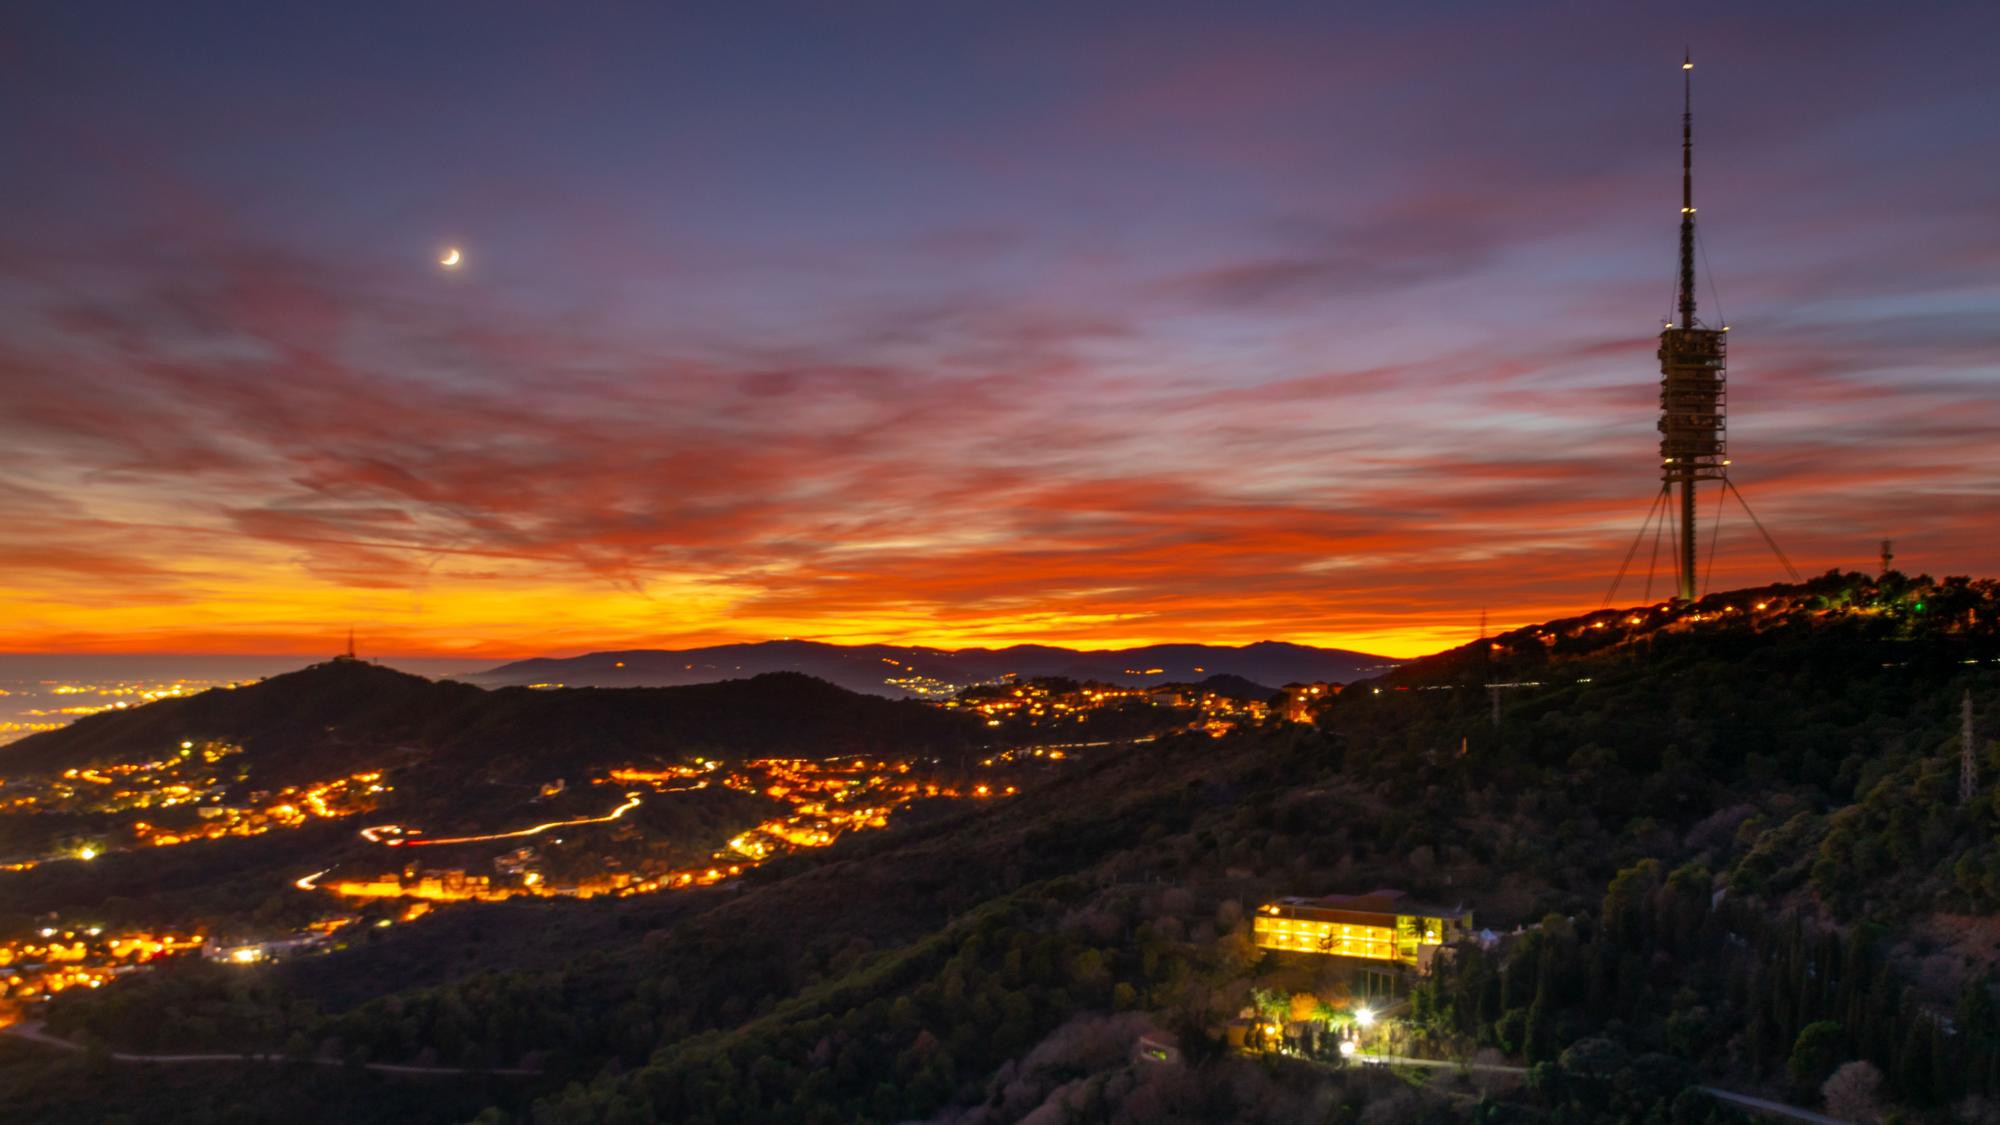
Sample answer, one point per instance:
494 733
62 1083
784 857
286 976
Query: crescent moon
450 259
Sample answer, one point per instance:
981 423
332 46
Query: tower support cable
1629 552
1714 537
1666 520
1761 530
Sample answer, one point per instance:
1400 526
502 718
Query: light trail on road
374 835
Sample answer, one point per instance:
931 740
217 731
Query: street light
1364 1016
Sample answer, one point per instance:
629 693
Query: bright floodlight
1364 1016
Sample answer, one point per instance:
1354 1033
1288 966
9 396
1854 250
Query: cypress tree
1601 986
1541 1035
1915 1076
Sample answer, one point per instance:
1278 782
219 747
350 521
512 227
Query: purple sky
960 323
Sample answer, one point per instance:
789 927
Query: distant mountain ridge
343 715
906 670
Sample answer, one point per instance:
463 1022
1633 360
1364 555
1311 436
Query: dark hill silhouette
869 668
320 715
772 714
1236 687
330 718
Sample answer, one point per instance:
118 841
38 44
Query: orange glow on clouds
245 507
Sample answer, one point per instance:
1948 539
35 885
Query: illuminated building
255 952
1303 701
1382 925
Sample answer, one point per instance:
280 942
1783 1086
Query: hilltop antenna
1693 399
1888 555
1692 374
1968 764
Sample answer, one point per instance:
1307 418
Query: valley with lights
387 834
814 803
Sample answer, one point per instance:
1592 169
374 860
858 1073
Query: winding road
399 837
31 1031
1745 1101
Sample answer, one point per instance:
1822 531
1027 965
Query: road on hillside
1764 1105
32 1032
1746 1101
398 836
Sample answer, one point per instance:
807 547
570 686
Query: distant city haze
505 331
45 691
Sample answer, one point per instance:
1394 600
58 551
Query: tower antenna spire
1687 191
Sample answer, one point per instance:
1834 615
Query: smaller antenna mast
1968 764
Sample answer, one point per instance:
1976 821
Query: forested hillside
1718 845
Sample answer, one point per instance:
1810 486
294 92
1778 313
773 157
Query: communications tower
1693 380
1694 396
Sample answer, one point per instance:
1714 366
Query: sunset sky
961 323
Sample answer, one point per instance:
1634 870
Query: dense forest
1718 845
